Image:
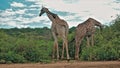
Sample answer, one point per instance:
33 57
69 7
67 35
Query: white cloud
101 10
7 13
29 14
115 5
35 5
31 0
16 4
20 11
9 17
10 12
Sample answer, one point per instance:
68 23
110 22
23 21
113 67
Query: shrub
107 52
12 57
36 54
2 61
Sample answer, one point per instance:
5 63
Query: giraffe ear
42 6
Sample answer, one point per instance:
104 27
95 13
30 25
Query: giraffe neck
51 15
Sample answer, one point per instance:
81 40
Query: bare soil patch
65 64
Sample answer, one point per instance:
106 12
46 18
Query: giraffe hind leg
77 47
57 48
53 54
66 47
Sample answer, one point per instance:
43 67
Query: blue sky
24 13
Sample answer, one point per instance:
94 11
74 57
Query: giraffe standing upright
60 29
87 29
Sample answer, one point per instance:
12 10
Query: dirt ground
65 64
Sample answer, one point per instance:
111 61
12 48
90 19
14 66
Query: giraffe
85 29
60 29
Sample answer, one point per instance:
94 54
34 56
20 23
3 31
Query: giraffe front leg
63 47
77 52
55 47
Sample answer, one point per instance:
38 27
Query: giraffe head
43 10
97 23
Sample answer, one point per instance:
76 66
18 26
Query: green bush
107 52
36 54
12 57
2 61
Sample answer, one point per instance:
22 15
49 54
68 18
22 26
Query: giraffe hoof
76 58
68 60
58 58
62 58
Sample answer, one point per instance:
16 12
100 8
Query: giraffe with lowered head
85 29
60 29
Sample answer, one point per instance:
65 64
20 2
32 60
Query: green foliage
13 57
2 61
35 45
24 46
37 53
106 52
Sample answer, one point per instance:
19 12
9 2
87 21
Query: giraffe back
85 28
60 28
